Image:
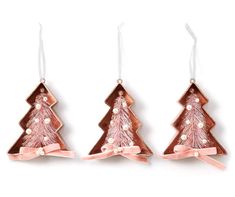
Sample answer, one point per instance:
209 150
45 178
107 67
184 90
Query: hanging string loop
192 60
41 58
120 53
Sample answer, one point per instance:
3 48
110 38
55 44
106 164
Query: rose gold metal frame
104 124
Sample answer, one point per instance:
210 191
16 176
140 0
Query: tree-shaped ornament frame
144 150
193 125
19 152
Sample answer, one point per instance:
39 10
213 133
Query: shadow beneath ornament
116 160
194 164
49 160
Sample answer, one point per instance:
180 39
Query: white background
80 39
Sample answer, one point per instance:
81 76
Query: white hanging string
120 51
41 57
192 60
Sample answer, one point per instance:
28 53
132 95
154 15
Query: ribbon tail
136 157
22 157
212 161
176 156
62 153
102 155
182 152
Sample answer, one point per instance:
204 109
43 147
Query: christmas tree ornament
40 124
194 137
120 125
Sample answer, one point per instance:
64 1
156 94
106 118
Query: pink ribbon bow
182 152
108 150
28 153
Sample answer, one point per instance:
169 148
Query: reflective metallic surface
54 119
104 124
180 121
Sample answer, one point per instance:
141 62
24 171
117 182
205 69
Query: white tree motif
194 128
40 130
120 127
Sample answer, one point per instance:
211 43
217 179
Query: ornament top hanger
120 125
194 137
41 125
192 60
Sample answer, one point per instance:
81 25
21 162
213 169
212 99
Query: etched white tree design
194 128
40 130
120 127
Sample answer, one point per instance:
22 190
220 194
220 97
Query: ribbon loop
28 153
182 152
108 150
